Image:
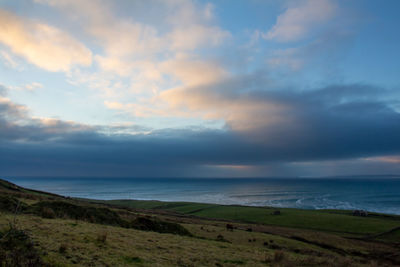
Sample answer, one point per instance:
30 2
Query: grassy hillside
41 229
324 220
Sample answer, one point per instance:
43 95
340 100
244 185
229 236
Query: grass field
70 242
40 229
329 220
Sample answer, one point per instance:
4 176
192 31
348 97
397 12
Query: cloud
114 105
234 99
161 66
323 51
9 60
187 70
385 159
140 56
289 122
269 132
299 18
187 26
289 57
3 90
141 110
118 36
17 125
42 45
191 37
150 52
192 26
31 87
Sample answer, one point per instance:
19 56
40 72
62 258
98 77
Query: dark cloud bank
332 123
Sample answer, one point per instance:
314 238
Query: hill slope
44 229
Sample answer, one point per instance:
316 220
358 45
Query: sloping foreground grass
333 221
89 213
77 243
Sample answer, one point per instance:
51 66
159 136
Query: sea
376 194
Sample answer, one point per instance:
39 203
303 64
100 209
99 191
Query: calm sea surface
373 194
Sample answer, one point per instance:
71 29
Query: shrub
10 204
222 239
48 213
132 260
62 249
16 249
61 209
155 225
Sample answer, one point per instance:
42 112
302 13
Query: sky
180 88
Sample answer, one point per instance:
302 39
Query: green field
325 220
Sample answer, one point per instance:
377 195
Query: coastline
371 194
148 233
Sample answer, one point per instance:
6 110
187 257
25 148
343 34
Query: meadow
41 229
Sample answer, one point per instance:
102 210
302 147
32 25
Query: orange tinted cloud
387 159
42 45
240 112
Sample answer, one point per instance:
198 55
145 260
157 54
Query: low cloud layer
326 124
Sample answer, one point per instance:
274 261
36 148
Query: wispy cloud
323 51
300 18
386 159
10 60
31 87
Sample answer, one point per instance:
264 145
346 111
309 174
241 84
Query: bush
16 249
132 260
155 225
61 209
10 204
62 249
48 213
222 239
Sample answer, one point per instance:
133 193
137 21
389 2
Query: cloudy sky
181 88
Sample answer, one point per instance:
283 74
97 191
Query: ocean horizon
371 193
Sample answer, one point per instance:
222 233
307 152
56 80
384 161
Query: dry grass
102 237
125 247
86 244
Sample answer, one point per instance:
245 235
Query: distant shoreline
372 194
358 176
